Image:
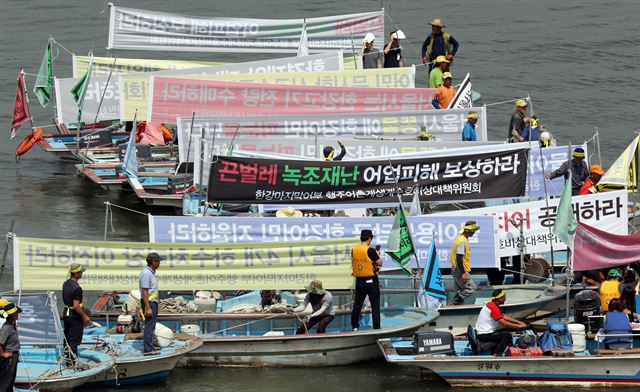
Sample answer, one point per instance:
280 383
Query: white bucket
205 304
203 294
190 329
164 335
132 302
578 336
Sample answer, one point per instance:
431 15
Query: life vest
617 323
141 305
32 138
608 291
361 264
466 258
448 47
68 309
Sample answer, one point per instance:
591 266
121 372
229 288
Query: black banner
500 174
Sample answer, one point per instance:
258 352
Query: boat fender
163 335
29 141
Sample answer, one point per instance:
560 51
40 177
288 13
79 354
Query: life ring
29 141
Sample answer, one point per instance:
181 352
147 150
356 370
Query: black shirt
392 59
71 291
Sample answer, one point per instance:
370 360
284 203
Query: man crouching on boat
491 317
322 304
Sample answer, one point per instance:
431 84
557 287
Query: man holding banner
460 259
365 263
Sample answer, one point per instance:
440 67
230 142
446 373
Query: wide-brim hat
289 212
315 287
369 37
437 22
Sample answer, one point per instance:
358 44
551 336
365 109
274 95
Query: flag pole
26 98
569 268
106 86
546 201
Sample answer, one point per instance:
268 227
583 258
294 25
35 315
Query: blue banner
424 228
551 159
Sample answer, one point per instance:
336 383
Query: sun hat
437 22
315 287
442 59
399 34
596 169
76 267
289 212
368 38
520 103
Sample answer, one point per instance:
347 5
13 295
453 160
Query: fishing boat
587 368
41 364
109 177
43 369
132 366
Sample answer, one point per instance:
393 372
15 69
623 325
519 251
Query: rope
523 273
177 305
503 102
125 208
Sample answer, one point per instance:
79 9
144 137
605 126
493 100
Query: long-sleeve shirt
579 173
438 48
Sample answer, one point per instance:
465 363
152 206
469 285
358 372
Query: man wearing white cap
438 43
371 57
75 316
392 51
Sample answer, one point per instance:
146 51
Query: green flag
43 88
565 226
399 244
80 88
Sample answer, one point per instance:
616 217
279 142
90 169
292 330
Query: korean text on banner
385 78
174 97
116 265
424 229
499 174
135 87
445 125
605 211
596 249
103 65
149 30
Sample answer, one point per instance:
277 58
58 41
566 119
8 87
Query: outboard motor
587 303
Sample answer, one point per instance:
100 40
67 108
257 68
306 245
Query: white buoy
163 335
578 336
190 329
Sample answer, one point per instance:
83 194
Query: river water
577 59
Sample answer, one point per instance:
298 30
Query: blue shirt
469 132
533 133
148 281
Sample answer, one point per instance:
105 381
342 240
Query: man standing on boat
438 43
322 305
435 76
445 93
392 51
365 263
75 317
149 301
491 317
328 153
589 186
469 130
460 259
371 57
579 171
9 345
518 121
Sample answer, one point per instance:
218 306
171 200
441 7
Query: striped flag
431 277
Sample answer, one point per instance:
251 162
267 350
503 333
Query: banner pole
26 98
193 116
546 201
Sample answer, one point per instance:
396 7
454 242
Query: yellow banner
102 65
42 264
622 174
134 89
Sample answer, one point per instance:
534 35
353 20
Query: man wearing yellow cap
460 259
518 121
469 130
75 317
9 345
435 76
445 93
491 317
438 43
589 186
579 171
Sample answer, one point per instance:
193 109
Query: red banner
595 249
21 108
176 97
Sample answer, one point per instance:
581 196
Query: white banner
605 211
67 108
463 97
136 29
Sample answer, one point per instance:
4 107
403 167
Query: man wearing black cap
329 153
75 317
579 171
9 346
149 300
365 263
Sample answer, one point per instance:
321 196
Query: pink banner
175 97
595 249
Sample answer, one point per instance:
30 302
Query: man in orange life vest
365 263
